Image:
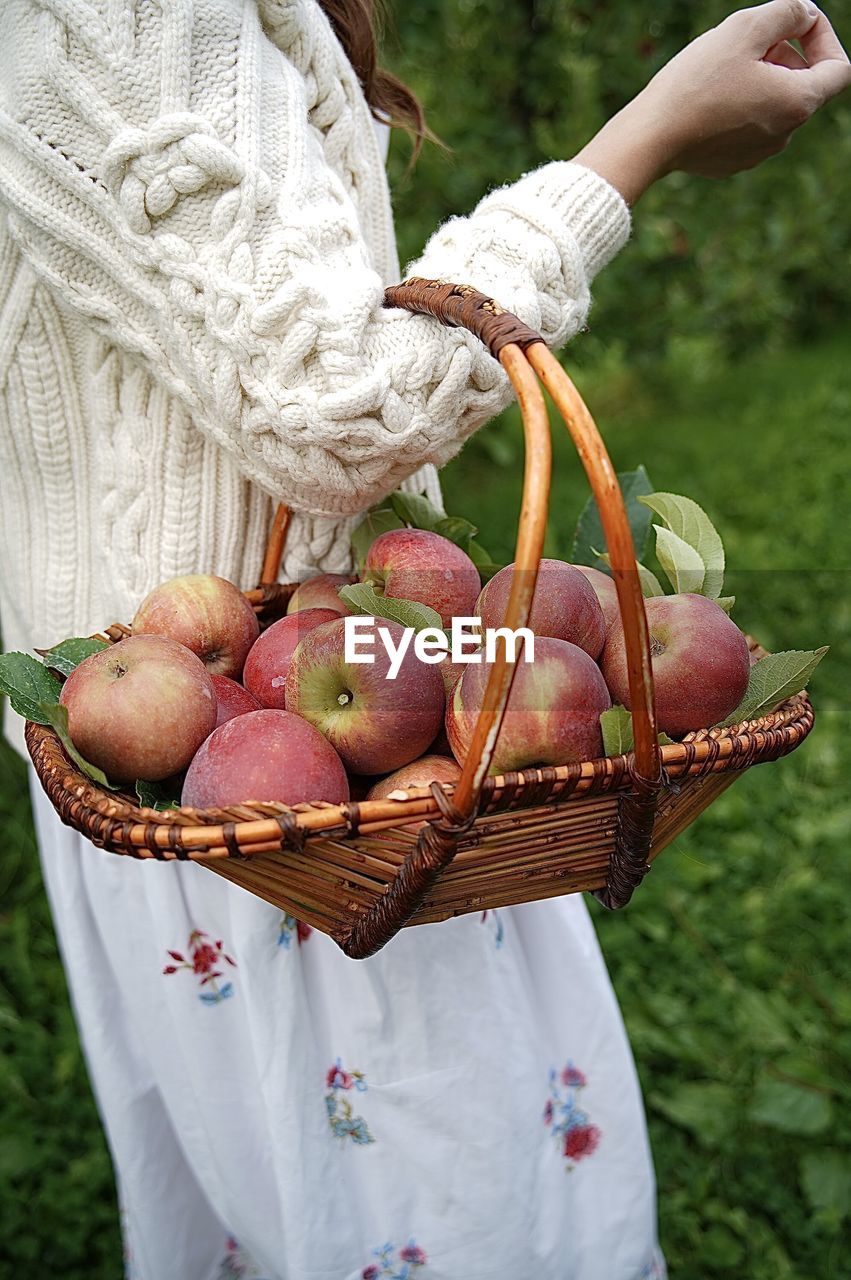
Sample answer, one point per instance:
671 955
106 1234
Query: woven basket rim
733 747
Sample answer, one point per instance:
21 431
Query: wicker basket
356 871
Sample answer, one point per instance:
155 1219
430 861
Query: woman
196 233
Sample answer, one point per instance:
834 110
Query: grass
730 963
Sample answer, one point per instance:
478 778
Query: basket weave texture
359 871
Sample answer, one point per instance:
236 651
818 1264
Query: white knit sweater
195 232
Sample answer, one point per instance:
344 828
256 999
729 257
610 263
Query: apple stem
344 698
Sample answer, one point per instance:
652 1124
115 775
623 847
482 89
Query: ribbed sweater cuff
588 208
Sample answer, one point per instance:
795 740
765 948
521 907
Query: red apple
413 564
605 591
265 756
553 714
140 709
420 773
208 615
232 700
700 662
376 723
451 671
268 662
564 606
321 592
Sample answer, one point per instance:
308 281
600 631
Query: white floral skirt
462 1106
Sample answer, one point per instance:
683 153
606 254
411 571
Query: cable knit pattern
148 170
195 238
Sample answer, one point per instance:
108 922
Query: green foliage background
719 357
714 269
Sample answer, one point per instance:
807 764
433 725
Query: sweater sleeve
187 175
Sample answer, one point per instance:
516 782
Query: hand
728 101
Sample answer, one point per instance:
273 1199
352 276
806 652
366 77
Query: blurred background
719 355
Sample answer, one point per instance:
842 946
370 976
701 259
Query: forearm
728 101
631 151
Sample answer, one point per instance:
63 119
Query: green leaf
775 678
680 561
616 724
791 1108
690 523
57 717
156 795
377 521
763 1019
720 1249
618 737
650 584
457 530
19 1156
402 509
726 603
69 654
801 1066
419 513
416 510
589 529
362 598
826 1182
705 1108
28 685
483 562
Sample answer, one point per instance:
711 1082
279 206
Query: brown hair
356 23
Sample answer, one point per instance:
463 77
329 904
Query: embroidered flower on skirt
236 1264
655 1269
341 1117
205 960
393 1264
492 918
569 1124
290 929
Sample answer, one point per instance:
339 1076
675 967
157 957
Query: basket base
551 864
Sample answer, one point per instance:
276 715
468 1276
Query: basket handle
525 358
275 546
523 354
